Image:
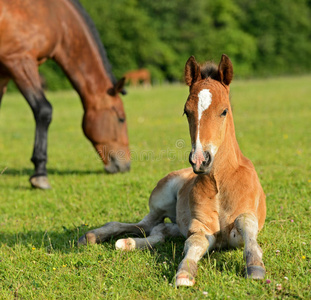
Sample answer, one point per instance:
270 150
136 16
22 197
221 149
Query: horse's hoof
126 244
255 272
40 182
82 241
88 239
184 279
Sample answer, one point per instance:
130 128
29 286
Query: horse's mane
209 69
89 22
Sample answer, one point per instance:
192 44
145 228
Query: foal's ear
225 70
192 71
118 88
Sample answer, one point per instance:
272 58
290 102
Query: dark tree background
262 37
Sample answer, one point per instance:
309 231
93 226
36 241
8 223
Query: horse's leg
25 74
247 226
135 82
3 84
195 247
157 235
147 82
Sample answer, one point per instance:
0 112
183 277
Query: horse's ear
118 88
225 70
192 71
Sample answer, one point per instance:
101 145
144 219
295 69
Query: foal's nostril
205 163
190 159
207 160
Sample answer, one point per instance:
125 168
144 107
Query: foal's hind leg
247 226
24 71
157 235
110 229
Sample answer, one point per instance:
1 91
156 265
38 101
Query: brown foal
219 202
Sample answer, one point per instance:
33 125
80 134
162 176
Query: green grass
39 229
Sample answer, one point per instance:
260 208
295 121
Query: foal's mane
90 24
209 69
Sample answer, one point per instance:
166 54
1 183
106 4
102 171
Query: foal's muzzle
204 164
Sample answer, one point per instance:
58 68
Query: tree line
262 37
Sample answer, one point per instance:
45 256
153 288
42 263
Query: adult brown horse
32 31
134 77
219 202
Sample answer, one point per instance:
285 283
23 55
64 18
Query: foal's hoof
255 272
82 241
88 238
40 182
184 279
125 244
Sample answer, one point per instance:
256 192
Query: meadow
39 258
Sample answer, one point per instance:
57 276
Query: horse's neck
79 56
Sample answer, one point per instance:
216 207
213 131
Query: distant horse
219 202
32 31
136 77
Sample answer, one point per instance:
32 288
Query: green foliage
263 38
38 255
53 76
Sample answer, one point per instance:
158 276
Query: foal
219 202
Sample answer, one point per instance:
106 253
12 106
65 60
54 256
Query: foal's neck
228 156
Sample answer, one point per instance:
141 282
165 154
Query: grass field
39 229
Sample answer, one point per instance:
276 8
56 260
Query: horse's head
208 110
105 126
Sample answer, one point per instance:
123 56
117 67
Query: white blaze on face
205 100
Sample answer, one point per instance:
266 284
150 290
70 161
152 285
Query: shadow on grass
168 254
29 172
65 241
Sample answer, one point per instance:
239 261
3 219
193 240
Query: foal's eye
224 113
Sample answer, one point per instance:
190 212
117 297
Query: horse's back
30 28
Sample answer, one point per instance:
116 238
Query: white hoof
125 244
184 279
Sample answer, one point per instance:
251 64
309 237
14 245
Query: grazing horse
219 202
134 77
32 31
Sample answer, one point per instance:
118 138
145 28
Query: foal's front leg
196 246
247 226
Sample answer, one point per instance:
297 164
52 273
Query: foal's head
207 109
